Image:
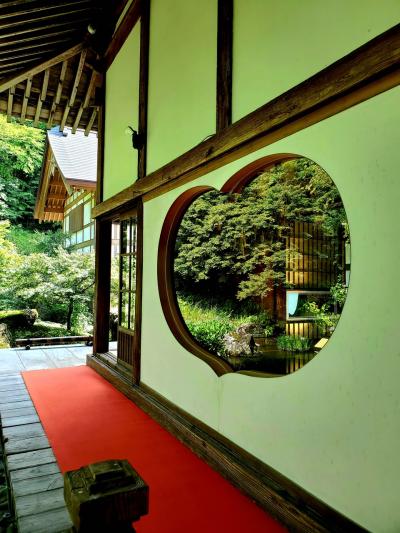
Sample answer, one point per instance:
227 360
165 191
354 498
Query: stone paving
38 358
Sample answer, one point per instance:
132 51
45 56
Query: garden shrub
19 318
210 334
289 343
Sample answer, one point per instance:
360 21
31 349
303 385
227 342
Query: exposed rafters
49 63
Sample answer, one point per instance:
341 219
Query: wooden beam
138 296
42 96
124 29
75 86
53 210
102 286
38 7
101 122
57 97
76 25
31 47
91 121
35 18
57 196
40 67
11 92
42 37
26 98
86 100
224 64
143 85
365 72
21 58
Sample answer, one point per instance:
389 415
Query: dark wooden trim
364 73
296 508
166 255
143 86
101 128
166 286
224 64
124 29
102 286
138 295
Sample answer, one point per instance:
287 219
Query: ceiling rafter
42 96
40 67
25 100
75 86
50 65
57 97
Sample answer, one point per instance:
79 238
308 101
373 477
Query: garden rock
239 341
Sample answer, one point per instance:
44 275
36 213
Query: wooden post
102 286
143 85
224 64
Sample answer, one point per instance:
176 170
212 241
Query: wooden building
67 185
216 90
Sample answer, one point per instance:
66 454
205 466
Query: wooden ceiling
49 61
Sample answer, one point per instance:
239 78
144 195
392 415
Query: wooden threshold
274 493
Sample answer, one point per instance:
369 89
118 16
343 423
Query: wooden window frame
102 288
165 263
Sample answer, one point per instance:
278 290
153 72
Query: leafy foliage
290 343
236 243
32 241
21 152
210 333
64 281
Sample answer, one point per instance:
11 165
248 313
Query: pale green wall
122 104
182 77
334 426
280 44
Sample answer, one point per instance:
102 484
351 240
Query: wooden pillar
143 85
224 63
102 286
100 145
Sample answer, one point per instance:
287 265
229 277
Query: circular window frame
165 264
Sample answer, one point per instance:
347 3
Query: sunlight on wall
333 426
277 45
122 104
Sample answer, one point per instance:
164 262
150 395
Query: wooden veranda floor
35 477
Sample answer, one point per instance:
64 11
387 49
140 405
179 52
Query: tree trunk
69 313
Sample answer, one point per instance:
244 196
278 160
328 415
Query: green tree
33 241
8 257
235 244
21 153
64 281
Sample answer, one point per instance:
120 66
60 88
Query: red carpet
87 420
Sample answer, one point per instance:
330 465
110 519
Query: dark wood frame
166 288
102 288
289 503
143 85
224 64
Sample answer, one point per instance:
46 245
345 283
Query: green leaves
236 243
21 152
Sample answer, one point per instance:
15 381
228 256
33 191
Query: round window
253 278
